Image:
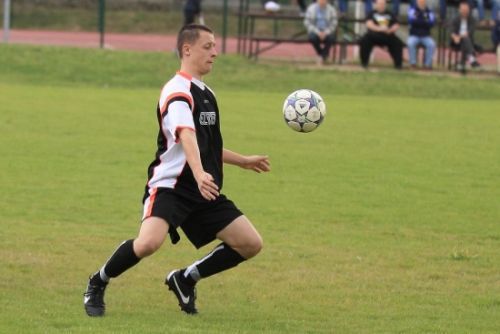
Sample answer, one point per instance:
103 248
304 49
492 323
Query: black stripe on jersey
176 98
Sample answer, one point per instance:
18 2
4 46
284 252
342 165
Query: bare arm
206 185
258 163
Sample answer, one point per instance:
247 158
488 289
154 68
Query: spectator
321 22
421 19
369 7
495 31
462 35
192 9
495 12
382 26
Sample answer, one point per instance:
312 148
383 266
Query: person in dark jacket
421 20
495 31
462 35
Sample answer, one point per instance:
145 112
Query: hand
383 29
206 185
258 163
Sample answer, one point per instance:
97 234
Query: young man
321 23
184 183
421 20
382 26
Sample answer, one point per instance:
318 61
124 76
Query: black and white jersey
185 102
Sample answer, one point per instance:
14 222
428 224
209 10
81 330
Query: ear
186 49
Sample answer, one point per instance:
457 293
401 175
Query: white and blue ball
304 110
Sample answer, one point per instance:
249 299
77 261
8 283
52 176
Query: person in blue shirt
421 19
321 23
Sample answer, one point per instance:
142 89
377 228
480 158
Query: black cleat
93 300
186 295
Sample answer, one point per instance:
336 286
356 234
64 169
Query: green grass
124 19
384 220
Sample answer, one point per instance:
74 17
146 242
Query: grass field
384 220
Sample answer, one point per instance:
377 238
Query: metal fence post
6 20
224 27
101 21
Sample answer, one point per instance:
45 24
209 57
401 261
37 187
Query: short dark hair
190 34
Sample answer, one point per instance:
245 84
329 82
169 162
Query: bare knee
146 246
251 246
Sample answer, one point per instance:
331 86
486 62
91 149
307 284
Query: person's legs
316 43
430 47
480 9
192 8
412 43
328 42
467 49
396 50
495 10
343 7
151 236
365 49
240 241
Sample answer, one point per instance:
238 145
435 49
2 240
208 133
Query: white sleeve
179 116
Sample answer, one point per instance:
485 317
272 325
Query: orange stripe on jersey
171 96
151 202
185 75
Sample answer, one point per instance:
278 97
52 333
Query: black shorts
199 221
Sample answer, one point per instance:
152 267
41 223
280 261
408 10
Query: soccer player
184 183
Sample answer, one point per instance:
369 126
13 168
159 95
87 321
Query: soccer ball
304 110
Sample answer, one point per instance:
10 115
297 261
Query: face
380 6
421 4
201 55
322 3
464 9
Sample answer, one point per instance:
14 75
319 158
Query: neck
188 70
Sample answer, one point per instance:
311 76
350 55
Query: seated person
382 26
462 35
421 19
495 32
321 22
395 7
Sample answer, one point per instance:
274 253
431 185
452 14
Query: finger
208 195
264 166
211 186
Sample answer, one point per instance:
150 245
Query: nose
214 52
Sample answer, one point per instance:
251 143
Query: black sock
219 259
122 259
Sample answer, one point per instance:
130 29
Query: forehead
205 37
